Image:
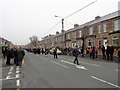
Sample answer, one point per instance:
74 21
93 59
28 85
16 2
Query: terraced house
100 31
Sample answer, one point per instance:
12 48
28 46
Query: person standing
76 54
9 56
55 52
82 50
4 51
96 52
103 52
16 61
119 55
21 55
111 53
91 50
108 52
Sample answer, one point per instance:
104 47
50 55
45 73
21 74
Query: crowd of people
16 53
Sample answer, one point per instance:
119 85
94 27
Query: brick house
100 31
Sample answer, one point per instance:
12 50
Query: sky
21 19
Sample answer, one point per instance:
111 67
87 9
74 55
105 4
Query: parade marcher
111 53
35 50
93 52
42 51
4 51
103 52
82 51
21 55
55 52
9 56
108 52
38 50
96 52
119 55
16 61
76 54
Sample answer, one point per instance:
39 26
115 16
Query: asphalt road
40 71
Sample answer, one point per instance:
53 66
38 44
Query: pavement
43 71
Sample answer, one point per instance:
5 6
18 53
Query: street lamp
62 27
62 21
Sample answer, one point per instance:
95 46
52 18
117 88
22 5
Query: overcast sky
21 19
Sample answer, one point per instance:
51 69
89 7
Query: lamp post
62 21
62 28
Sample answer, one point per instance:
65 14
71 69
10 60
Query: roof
104 18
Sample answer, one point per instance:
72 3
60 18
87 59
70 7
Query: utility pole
62 24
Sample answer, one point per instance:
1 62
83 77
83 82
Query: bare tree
34 40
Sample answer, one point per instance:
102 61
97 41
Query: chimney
62 31
76 25
98 17
57 32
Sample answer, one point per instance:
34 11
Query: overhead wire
71 15
81 9
52 28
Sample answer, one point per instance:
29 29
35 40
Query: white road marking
88 63
44 58
78 66
81 67
17 76
9 73
11 69
9 78
117 70
54 62
105 82
67 62
59 64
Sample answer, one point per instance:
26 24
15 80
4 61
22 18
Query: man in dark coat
9 56
55 53
4 51
111 53
21 55
76 54
103 52
16 57
108 52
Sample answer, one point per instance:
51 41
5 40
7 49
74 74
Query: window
74 35
105 27
56 39
80 43
68 36
115 40
99 28
68 44
90 30
91 42
80 33
73 44
105 43
116 25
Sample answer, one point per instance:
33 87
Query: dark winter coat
76 52
21 54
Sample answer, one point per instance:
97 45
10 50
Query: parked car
59 52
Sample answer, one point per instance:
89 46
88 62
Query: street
43 71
